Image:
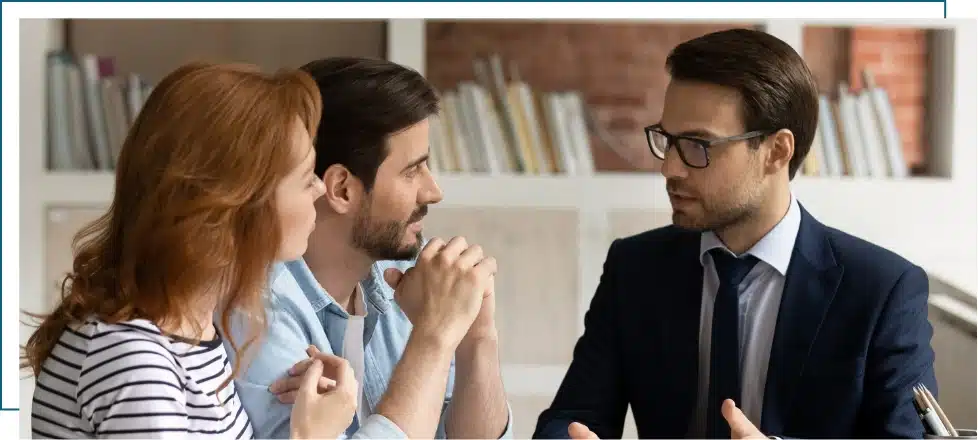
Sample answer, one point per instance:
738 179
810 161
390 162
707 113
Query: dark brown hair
193 209
776 86
365 101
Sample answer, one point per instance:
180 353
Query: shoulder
127 355
655 243
288 302
873 278
286 285
136 339
288 325
872 262
276 346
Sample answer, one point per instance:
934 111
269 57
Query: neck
335 264
741 236
199 322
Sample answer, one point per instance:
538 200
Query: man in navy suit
746 318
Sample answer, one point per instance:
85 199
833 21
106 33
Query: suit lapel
810 285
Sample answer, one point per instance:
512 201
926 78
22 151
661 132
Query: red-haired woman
214 184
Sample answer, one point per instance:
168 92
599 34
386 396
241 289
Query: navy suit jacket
851 339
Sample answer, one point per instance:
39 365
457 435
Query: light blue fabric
300 313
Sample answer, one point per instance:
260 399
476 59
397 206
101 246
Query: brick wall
898 60
826 50
619 68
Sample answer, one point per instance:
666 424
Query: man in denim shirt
436 378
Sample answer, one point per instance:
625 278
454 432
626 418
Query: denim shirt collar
376 291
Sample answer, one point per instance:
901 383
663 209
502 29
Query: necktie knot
730 269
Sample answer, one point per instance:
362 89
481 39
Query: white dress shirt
759 300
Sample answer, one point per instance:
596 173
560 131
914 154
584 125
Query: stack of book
89 110
857 135
498 125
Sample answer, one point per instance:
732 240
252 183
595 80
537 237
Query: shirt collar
319 297
774 248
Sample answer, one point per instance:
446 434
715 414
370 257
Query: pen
931 420
925 393
927 415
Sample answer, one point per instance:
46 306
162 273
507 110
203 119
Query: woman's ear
343 190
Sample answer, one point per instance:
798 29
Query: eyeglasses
693 151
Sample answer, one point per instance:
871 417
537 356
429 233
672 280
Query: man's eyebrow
697 133
416 162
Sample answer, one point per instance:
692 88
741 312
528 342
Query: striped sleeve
129 387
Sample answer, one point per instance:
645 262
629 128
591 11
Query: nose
673 166
320 189
430 191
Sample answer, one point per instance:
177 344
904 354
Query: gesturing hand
740 426
578 431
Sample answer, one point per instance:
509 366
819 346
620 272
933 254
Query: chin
683 220
411 245
293 252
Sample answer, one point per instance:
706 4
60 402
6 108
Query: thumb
393 277
579 431
740 426
312 350
310 379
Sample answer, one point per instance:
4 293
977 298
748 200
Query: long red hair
193 210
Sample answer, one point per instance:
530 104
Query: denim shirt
300 313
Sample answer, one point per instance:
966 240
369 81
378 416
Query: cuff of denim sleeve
376 426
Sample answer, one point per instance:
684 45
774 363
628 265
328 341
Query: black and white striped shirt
130 380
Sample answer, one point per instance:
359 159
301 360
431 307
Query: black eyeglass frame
672 140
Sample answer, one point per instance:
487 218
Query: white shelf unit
914 217
930 221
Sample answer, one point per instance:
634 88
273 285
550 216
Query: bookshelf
873 83
406 40
924 218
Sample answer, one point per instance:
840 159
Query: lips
673 189
679 200
680 196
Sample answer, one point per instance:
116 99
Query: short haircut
776 87
365 101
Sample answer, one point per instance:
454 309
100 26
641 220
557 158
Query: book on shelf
494 125
89 110
857 135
